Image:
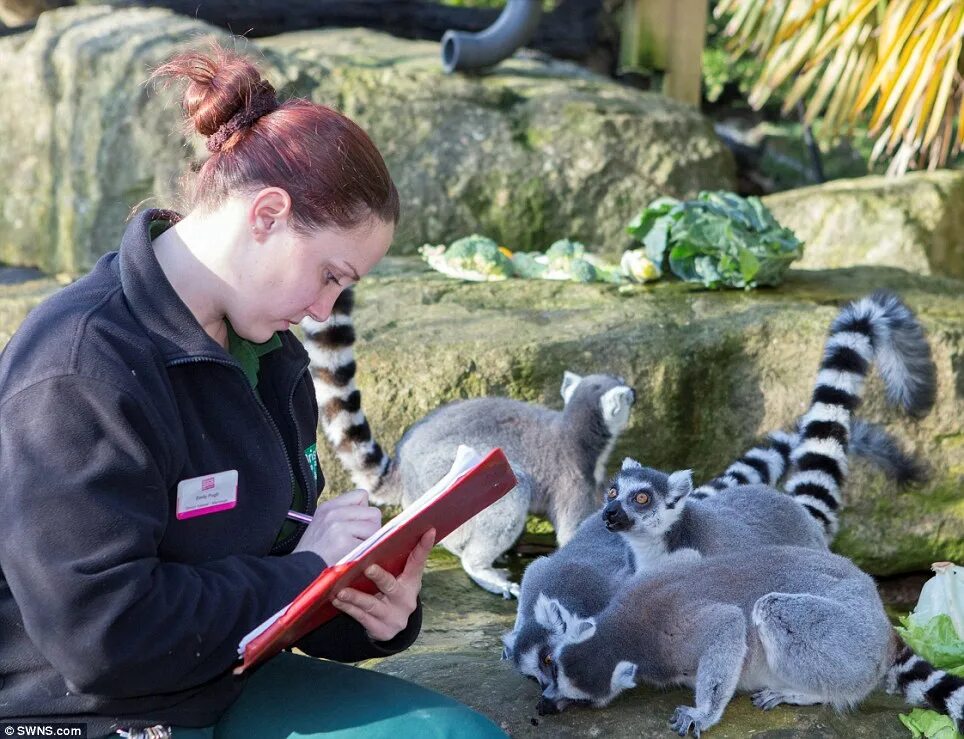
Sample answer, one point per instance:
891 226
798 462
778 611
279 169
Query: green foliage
719 239
721 68
935 640
926 724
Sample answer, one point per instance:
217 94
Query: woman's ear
270 210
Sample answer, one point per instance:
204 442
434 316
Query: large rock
915 222
713 371
530 152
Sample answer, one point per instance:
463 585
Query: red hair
335 175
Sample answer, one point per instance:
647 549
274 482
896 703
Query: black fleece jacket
112 610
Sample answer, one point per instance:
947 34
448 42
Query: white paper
465 459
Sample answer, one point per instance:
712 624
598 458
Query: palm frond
895 65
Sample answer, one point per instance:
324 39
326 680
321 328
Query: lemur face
530 651
643 500
614 397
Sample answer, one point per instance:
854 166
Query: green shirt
249 355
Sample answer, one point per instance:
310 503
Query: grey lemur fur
559 457
790 624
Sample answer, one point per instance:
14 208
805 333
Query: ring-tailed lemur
767 462
748 516
876 330
559 457
584 575
792 625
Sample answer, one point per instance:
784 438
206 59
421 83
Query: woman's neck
190 254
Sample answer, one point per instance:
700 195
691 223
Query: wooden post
667 35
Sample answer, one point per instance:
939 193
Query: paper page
465 459
258 630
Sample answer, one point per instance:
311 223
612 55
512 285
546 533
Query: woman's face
289 275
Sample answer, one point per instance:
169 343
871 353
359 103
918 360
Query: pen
300 517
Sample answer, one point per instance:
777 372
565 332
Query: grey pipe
513 28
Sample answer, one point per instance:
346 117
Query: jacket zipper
264 410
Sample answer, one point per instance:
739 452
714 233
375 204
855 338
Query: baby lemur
559 457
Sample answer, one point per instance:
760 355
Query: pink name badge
206 494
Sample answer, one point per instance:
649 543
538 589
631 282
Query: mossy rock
713 371
913 222
529 152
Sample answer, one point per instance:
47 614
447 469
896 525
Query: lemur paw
767 698
686 719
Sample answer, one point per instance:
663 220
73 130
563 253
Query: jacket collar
153 301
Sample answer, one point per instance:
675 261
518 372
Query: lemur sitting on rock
559 457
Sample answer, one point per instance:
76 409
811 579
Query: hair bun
225 89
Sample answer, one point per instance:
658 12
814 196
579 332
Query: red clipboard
474 490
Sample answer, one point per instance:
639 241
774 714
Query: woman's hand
385 614
339 525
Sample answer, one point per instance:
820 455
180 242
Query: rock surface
529 152
915 222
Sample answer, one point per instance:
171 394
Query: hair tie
262 102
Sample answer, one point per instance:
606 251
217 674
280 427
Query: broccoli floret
566 249
468 246
530 265
475 258
582 271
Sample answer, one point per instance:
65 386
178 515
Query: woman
158 424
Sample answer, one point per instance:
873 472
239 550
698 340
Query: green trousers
293 696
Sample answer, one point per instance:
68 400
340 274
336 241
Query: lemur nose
614 516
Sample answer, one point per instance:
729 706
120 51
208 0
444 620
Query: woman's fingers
417 559
357 497
383 579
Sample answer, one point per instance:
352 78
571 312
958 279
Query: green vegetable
933 631
583 271
476 258
718 239
565 249
531 265
929 724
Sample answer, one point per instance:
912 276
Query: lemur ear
617 402
631 464
624 676
569 382
580 630
551 615
508 644
680 485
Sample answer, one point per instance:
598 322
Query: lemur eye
642 498
612 494
547 660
